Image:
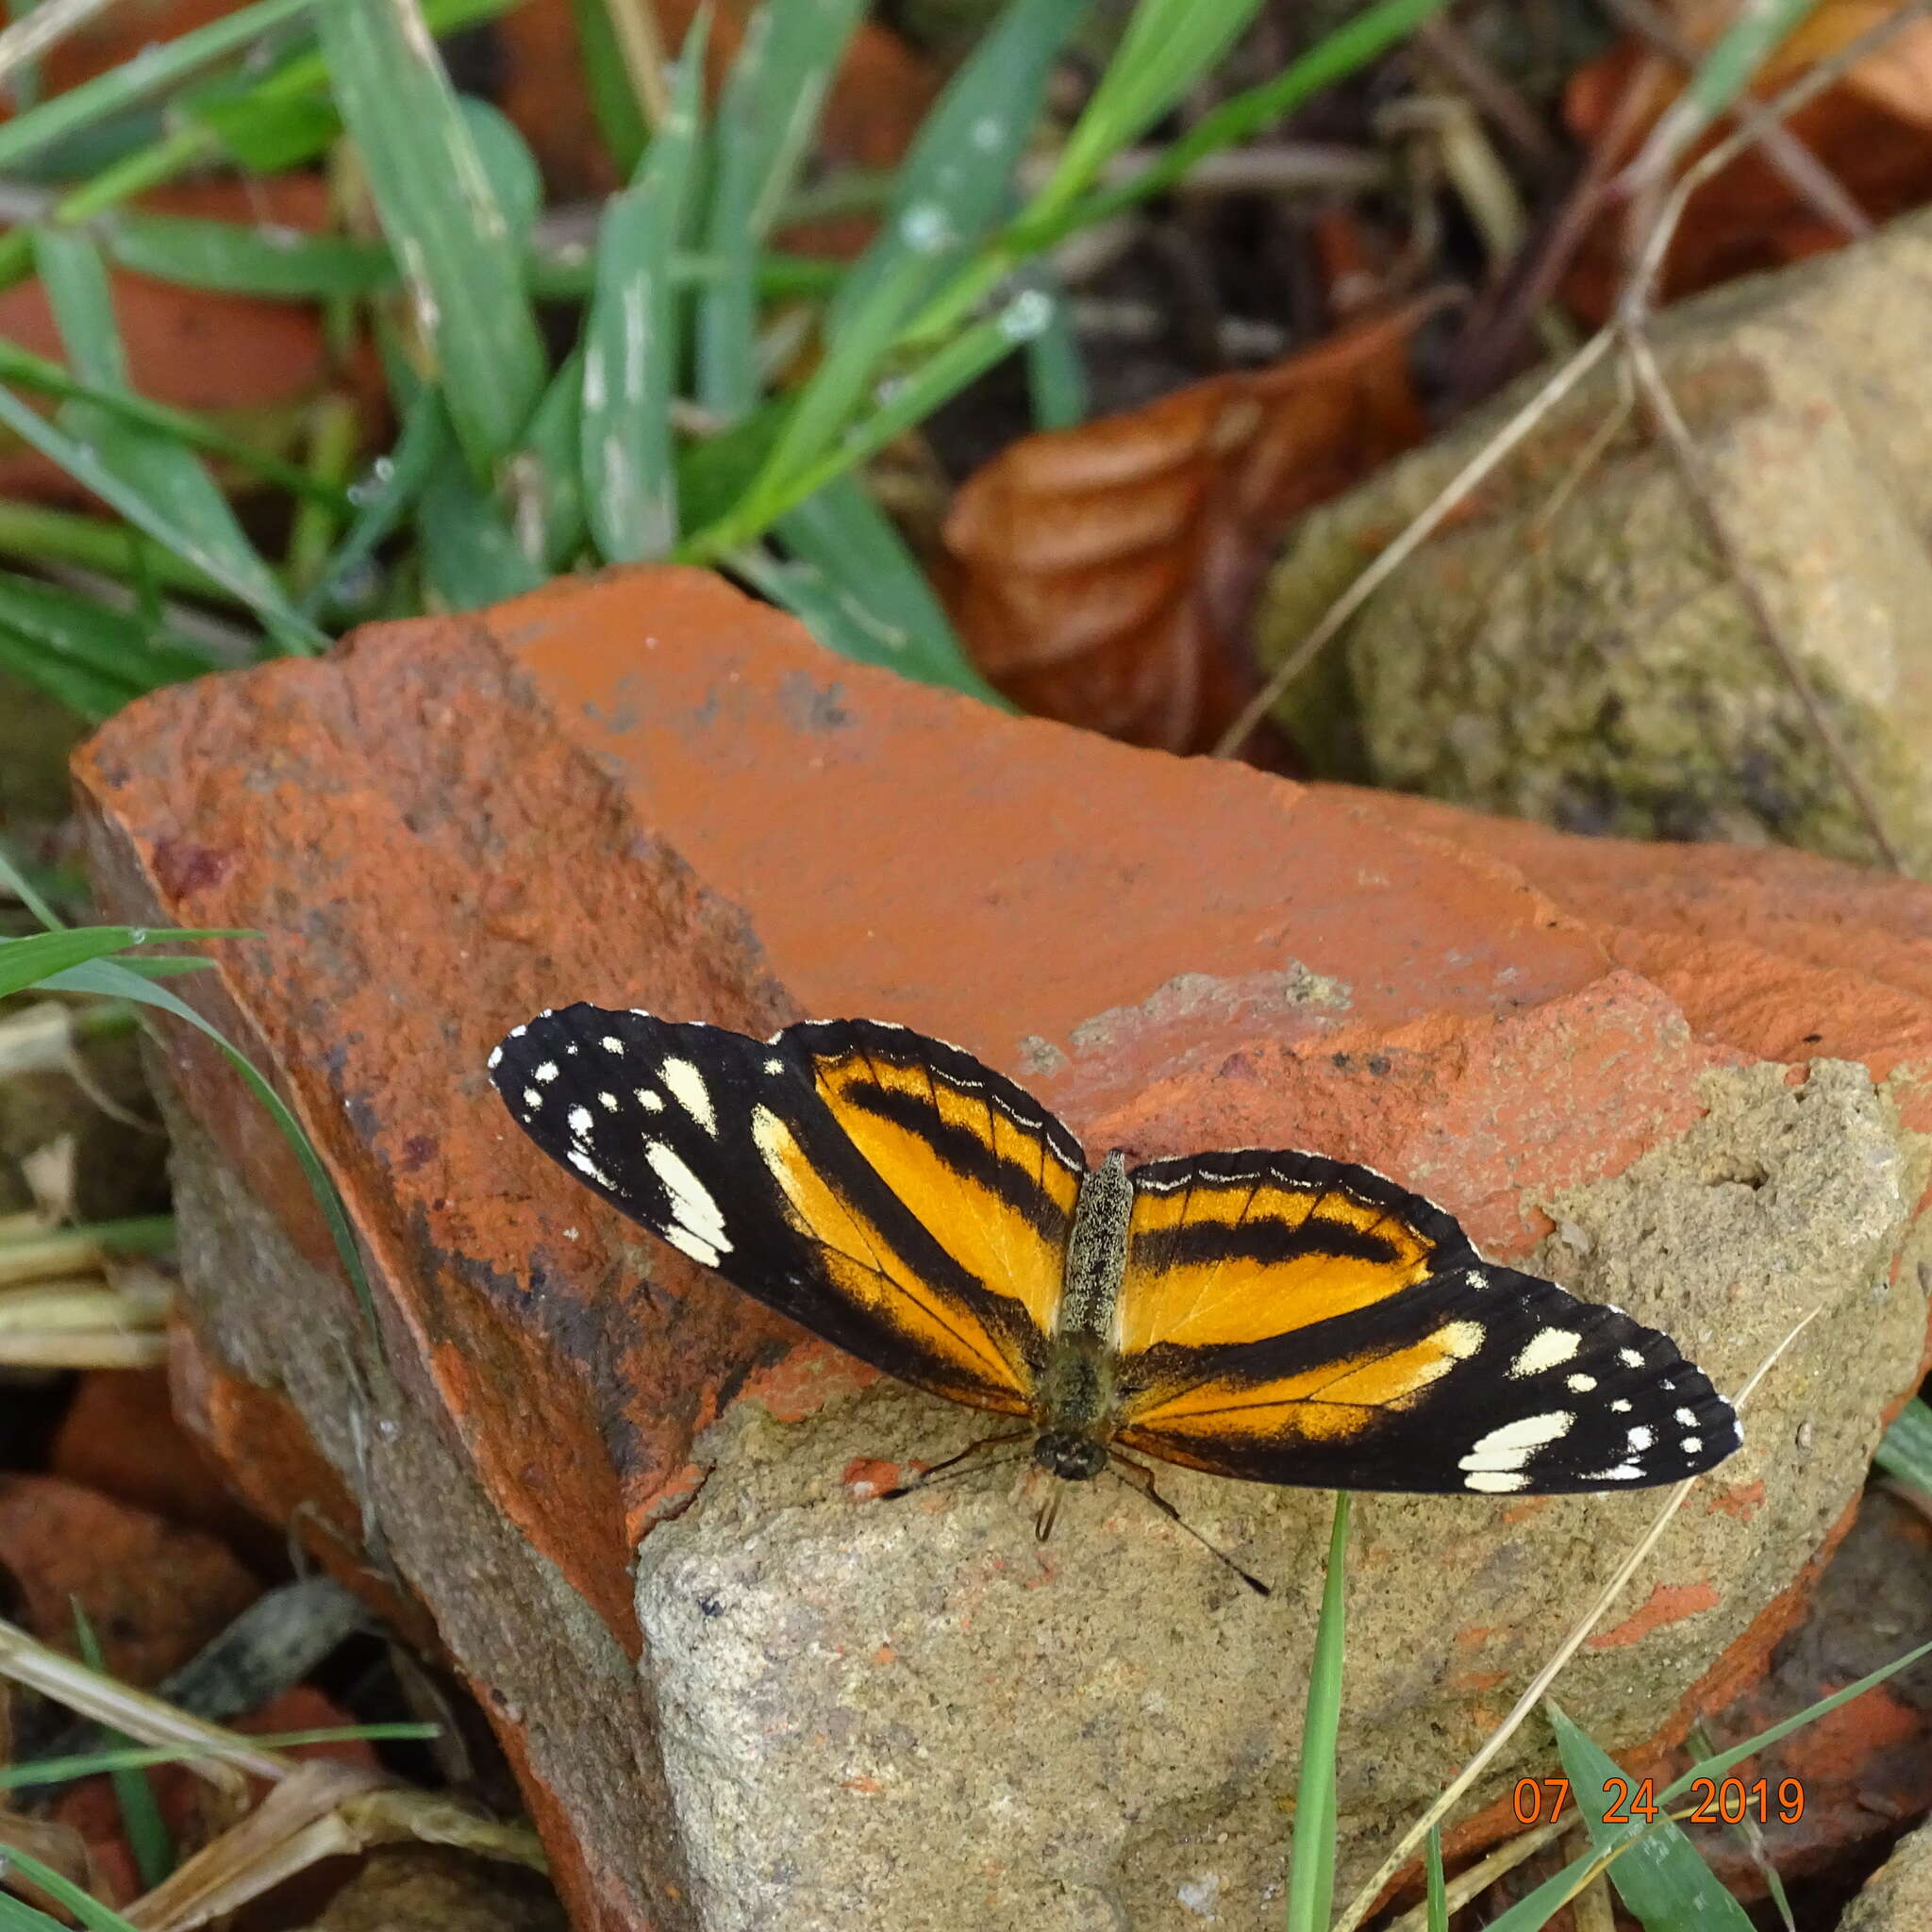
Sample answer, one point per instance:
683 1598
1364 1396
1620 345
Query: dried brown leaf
1104 576
55 1845
1872 130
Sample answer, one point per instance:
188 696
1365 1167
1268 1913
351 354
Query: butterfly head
1078 1458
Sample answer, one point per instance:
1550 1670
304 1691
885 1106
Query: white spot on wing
687 1088
1512 1446
1688 1417
1495 1481
775 1066
495 1056
1620 1407
610 1044
1640 1439
532 1099
1693 1445
1461 1338
1629 1357
651 1103
518 1032
1545 1350
547 1072
1580 1384
692 1203
607 1102
1623 1473
687 1243
584 1165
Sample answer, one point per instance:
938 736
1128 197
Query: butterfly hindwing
837 1174
1291 1319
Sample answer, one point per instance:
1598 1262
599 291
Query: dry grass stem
146 1718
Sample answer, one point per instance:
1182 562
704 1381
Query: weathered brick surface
741 1693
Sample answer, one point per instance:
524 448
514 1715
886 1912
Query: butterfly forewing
845 1173
1288 1319
992 1176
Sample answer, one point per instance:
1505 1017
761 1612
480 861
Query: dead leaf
55 1846
1873 130
1104 576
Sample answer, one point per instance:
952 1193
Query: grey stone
1571 647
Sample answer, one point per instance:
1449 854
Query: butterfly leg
926 1476
1138 1476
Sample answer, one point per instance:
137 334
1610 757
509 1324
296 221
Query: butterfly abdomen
1075 1396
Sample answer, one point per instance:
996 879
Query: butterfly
1277 1317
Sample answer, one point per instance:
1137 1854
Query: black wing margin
733 1150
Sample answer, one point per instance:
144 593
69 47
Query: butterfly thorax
1075 1394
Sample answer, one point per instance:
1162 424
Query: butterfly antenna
1136 1476
944 1472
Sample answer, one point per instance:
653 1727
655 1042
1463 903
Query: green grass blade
766 114
1662 1881
17 882
1056 374
1437 1901
154 71
49 378
891 615
442 217
1169 46
91 1913
923 389
41 957
274 264
114 981
274 122
1351 47
1048 219
1528 1914
1311 1862
63 635
1722 75
74 280
508 164
134 1792
85 692
149 461
86 466
827 401
470 554
1905 1450
15 1916
61 1770
632 338
955 179
551 514
41 536
399 481
614 105
954 184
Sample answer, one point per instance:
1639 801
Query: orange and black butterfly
1277 1317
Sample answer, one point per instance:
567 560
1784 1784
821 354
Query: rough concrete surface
1898 1897
1572 647
640 1514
